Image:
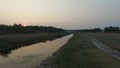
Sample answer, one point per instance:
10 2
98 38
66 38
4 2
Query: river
33 55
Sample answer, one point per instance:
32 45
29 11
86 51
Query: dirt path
105 48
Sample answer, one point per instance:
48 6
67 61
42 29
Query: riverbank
80 52
14 41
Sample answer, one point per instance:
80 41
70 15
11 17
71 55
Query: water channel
33 55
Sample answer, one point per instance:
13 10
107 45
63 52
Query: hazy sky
68 14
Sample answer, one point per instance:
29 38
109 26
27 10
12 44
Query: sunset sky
67 14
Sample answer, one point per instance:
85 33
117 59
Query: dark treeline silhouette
106 29
90 30
18 28
112 29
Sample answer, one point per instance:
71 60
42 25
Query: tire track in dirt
105 48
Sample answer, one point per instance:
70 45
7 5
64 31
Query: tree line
20 29
112 29
106 29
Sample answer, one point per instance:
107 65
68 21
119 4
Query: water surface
31 56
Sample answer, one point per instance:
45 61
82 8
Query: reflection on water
31 56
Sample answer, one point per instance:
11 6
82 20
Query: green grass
110 39
79 52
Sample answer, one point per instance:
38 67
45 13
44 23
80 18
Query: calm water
31 56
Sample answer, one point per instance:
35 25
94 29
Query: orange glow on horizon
23 24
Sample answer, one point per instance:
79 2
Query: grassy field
79 52
110 39
12 41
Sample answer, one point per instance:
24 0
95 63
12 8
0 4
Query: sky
67 14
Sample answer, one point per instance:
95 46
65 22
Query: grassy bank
13 41
110 39
79 52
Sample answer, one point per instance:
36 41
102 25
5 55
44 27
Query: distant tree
97 30
90 30
112 29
